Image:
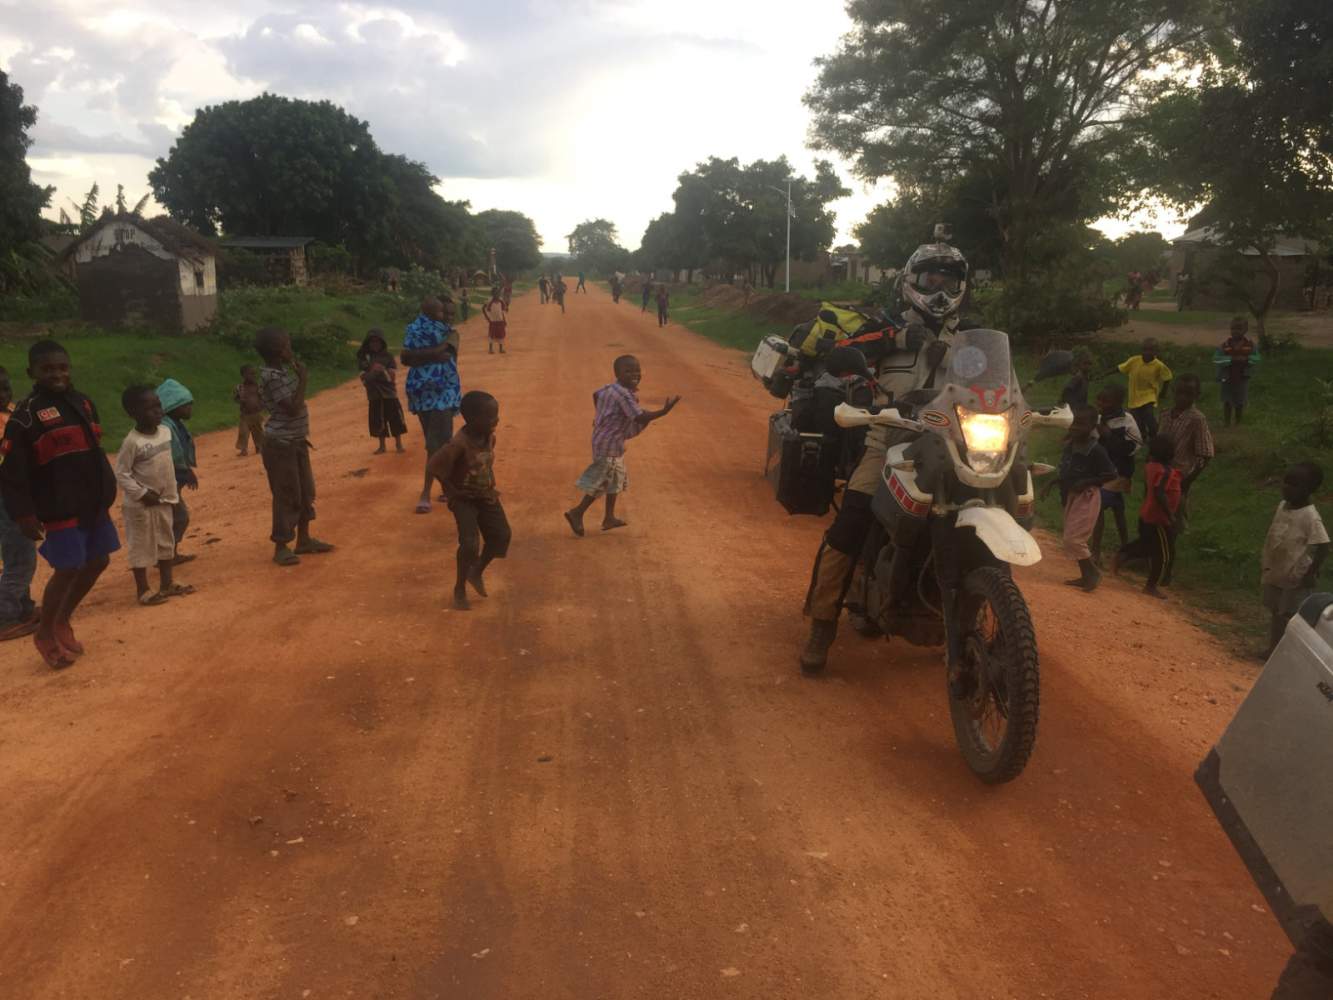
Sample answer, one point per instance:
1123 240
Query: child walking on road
179 406
246 395
291 480
148 490
377 375
647 293
663 301
58 487
1084 469
1294 550
465 468
1157 518
618 418
497 321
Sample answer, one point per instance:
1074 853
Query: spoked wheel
993 699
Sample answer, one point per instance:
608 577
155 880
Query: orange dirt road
608 780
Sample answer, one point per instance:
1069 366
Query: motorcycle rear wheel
995 721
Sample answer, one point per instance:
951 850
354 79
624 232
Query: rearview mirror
1055 363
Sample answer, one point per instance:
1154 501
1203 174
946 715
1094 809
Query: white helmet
934 281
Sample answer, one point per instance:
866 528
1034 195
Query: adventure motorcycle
952 510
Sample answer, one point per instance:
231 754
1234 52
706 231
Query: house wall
130 287
297 267
1209 264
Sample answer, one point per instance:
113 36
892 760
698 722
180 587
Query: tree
273 166
1253 141
424 229
21 201
514 237
595 247
1029 98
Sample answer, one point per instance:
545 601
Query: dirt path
608 781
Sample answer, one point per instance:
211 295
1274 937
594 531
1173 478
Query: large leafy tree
595 247
1029 96
514 238
277 166
21 201
423 228
1252 140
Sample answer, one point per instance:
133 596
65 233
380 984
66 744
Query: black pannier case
800 466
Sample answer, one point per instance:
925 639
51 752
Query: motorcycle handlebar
846 415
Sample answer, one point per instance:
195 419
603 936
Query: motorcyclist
931 288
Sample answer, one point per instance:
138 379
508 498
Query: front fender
1003 535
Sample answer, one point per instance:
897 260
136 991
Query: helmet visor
930 282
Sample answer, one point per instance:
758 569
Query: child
1119 435
1294 550
1157 517
1148 378
377 375
647 292
1075 392
246 395
663 300
291 480
179 406
465 469
1084 469
1187 427
558 289
1234 360
18 554
464 305
582 286
618 418
58 488
496 313
148 489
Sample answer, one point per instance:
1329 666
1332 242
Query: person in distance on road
58 487
663 301
1085 468
148 490
497 321
618 418
647 292
558 289
543 286
465 468
291 480
582 286
1294 550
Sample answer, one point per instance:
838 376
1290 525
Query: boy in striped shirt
619 417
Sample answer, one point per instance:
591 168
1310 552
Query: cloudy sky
563 109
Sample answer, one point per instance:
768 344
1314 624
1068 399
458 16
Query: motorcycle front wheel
993 698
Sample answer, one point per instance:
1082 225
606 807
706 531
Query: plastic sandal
151 599
177 590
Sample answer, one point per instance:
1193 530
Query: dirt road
608 780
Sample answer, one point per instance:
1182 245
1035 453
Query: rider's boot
815 654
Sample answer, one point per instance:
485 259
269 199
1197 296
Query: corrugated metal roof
267 242
1286 246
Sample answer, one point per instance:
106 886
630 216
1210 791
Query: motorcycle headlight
986 436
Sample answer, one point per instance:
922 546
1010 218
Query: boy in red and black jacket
58 487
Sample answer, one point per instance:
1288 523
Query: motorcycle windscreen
980 362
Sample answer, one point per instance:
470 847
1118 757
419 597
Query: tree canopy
514 237
733 217
595 246
21 201
1027 99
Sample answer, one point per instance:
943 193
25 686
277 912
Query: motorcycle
953 510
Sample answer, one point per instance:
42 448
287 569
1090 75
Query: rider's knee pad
848 531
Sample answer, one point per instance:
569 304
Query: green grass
326 330
1189 317
843 291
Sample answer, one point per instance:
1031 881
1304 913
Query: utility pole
787 284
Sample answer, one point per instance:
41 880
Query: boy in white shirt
1294 550
147 480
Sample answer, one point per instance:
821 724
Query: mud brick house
132 271
284 255
1223 279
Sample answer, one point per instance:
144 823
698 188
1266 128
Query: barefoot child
1084 469
1157 517
148 490
178 404
246 395
497 321
291 480
1148 378
1294 550
465 468
58 488
618 418
377 375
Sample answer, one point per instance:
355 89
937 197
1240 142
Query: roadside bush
325 258
1056 304
241 269
417 283
54 303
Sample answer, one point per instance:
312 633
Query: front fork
948 557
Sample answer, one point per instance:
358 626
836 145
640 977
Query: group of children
1097 468
553 289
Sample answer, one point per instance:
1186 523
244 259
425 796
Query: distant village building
850 264
1221 279
132 271
284 256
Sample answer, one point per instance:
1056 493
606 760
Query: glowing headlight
984 432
